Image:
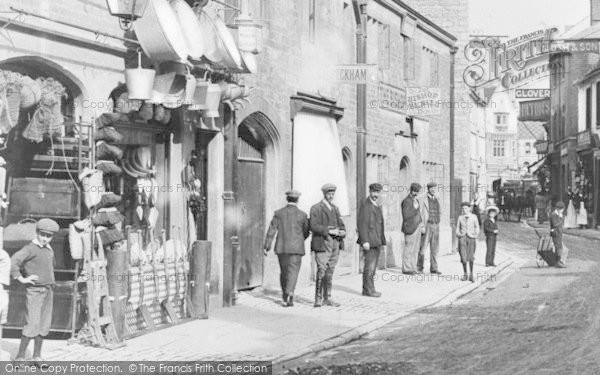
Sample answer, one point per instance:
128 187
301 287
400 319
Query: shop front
587 175
137 174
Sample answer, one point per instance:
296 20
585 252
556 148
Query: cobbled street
535 321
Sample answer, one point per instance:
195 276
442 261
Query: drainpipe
360 15
453 191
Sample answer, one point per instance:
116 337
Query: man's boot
560 263
327 286
319 291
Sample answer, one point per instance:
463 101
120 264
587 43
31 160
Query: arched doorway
254 141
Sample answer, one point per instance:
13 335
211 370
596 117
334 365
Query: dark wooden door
251 200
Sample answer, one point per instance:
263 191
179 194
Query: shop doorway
251 200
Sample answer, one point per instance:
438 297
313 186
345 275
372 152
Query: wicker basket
31 93
13 105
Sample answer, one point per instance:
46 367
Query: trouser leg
424 241
293 268
434 246
283 266
371 256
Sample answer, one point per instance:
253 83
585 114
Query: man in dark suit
290 224
557 224
431 212
412 227
371 237
328 232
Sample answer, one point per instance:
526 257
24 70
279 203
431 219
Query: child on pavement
33 266
467 230
4 283
490 228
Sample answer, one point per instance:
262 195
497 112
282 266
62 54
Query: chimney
594 12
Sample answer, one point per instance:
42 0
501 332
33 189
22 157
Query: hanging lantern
127 10
249 35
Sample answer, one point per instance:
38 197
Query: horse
503 202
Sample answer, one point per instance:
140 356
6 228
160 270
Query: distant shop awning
533 168
317 160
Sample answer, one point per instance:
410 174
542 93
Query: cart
545 251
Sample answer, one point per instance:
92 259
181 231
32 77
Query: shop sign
423 101
535 110
541 147
564 151
532 93
392 98
584 139
356 73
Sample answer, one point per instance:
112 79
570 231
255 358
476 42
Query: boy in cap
557 224
467 230
33 266
4 284
328 232
431 221
490 229
412 227
290 224
371 237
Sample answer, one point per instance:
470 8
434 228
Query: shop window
588 108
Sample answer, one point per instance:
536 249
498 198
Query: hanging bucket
213 99
139 81
199 99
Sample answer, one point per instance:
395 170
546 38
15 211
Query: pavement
260 328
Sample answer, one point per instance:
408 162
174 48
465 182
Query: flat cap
293 193
376 186
559 205
415 187
465 204
431 184
328 187
47 225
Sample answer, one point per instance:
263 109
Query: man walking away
371 237
328 232
431 217
290 224
412 228
557 224
467 230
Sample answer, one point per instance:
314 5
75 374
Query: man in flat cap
412 227
467 231
290 224
328 232
557 224
371 237
33 266
431 212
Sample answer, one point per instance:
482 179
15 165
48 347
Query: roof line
426 20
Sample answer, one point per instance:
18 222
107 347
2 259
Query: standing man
557 224
371 237
33 266
431 217
412 228
328 232
290 224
